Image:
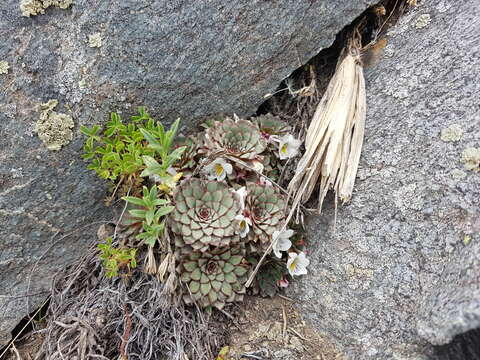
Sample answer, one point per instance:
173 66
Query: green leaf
177 153
150 241
153 143
159 202
138 213
133 200
164 211
149 216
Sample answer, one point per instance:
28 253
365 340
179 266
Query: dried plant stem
335 136
333 141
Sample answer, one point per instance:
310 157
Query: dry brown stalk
126 334
335 136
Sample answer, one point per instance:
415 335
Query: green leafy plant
161 142
117 152
116 259
213 233
150 211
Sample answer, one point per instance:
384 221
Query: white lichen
95 40
458 174
35 7
423 21
82 84
4 67
471 159
54 129
452 133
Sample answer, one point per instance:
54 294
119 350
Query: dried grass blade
359 117
334 138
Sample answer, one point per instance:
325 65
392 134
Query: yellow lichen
471 159
54 129
4 67
452 133
423 21
95 40
458 174
467 239
35 7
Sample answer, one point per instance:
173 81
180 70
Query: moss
471 159
35 7
4 67
452 133
54 129
95 40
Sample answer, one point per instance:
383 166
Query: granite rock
188 59
401 272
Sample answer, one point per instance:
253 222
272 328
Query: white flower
297 263
288 146
264 181
243 225
281 241
242 193
218 169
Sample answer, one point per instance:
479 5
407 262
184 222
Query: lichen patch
35 7
471 159
54 129
95 40
423 21
4 67
452 133
458 174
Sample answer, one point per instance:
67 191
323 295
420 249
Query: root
92 317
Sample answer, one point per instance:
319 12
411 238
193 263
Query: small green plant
151 211
116 259
124 153
161 142
211 201
117 152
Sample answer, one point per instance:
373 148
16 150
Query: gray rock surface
400 272
180 58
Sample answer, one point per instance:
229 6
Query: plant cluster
213 207
116 259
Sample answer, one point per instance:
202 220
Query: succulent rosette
266 209
269 125
214 278
204 214
240 139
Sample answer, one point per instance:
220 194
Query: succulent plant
214 278
271 125
266 207
204 214
240 139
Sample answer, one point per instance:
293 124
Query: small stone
471 159
4 67
423 21
452 133
95 40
